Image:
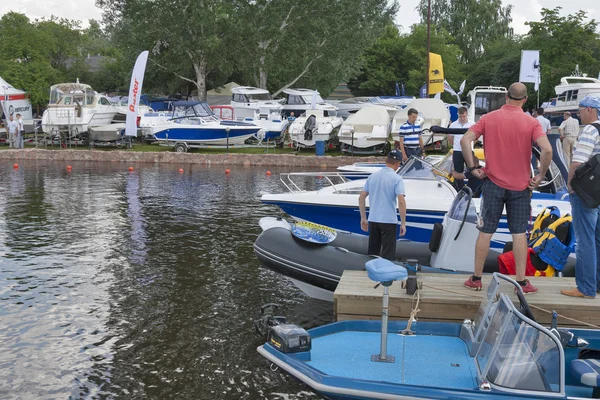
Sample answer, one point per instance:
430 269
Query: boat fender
436 237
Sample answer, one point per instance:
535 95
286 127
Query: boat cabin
484 99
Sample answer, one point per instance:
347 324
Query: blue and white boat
194 123
503 354
333 199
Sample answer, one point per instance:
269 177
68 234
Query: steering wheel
524 306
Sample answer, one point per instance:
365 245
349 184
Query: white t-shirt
457 125
544 122
13 126
21 126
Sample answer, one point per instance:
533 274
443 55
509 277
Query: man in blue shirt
386 190
410 140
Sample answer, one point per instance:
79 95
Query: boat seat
587 372
382 270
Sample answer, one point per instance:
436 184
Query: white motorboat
300 101
431 112
255 106
74 108
332 200
367 131
569 93
314 125
194 123
352 105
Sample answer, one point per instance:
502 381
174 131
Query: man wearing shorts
509 136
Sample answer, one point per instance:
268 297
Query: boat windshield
487 102
308 98
258 96
419 168
201 110
515 353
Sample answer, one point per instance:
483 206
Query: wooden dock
444 298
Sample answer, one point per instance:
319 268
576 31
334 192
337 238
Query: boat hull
216 135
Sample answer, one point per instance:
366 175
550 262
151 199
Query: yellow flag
436 74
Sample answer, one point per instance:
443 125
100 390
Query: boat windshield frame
508 345
200 111
419 168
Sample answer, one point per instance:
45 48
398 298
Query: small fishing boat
502 354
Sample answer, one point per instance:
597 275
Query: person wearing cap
586 220
385 189
509 136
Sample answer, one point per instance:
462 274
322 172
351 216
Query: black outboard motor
289 338
268 319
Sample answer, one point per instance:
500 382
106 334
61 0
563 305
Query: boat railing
327 179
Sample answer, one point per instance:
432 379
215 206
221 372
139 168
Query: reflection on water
138 285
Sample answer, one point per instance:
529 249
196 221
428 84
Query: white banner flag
448 88
462 87
135 91
530 66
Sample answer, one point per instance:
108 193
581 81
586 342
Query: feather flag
435 74
135 91
397 89
462 87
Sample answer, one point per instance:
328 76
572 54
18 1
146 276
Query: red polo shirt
508 136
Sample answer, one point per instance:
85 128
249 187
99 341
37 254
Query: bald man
509 134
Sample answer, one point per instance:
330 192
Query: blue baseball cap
590 101
395 155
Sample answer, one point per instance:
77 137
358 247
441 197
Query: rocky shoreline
284 160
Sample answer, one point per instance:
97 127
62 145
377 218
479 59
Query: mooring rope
530 305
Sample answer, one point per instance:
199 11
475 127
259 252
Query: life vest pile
551 241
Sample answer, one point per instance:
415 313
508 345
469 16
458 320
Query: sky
523 10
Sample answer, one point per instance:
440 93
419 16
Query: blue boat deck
446 357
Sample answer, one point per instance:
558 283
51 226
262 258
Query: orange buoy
69 167
180 170
227 171
15 166
268 173
130 169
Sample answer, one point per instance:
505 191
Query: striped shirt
587 145
570 127
411 134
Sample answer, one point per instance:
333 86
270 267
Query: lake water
138 285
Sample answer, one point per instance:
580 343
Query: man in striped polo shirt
586 220
410 141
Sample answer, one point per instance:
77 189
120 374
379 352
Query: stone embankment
283 160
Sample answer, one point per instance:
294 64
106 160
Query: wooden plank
443 297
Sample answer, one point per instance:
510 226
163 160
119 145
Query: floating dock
444 298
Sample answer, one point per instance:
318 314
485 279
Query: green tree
563 42
470 22
402 58
186 38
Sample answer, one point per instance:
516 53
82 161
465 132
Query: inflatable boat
316 269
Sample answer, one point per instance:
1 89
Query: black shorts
494 199
458 161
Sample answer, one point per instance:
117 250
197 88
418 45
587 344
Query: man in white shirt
19 142
12 129
545 122
569 130
457 156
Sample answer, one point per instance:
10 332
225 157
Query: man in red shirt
509 134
